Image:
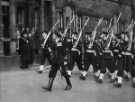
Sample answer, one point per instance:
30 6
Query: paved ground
25 86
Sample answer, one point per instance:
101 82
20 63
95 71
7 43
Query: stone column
12 27
53 12
1 19
1 30
31 13
12 19
42 16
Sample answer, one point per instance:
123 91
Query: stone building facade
38 14
42 14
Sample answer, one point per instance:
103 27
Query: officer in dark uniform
57 63
24 48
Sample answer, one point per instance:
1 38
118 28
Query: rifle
110 36
67 27
80 34
130 29
95 32
50 32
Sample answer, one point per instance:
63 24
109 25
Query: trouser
43 55
56 65
108 62
75 57
90 59
100 61
115 61
32 56
24 60
133 71
127 63
120 66
133 68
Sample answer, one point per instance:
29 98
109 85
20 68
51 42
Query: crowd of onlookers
28 45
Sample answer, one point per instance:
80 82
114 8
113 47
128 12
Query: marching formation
106 52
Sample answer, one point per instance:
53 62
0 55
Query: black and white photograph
67 50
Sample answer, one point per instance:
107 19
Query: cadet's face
25 35
122 36
44 35
27 29
87 37
75 36
126 38
104 37
54 36
30 35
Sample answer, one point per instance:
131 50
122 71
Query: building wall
27 13
1 45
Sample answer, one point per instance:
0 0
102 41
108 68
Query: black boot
118 85
50 84
82 77
133 84
69 85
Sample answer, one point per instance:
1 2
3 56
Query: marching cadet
45 52
120 63
24 48
127 56
98 58
57 63
127 59
89 56
115 50
76 55
133 64
101 56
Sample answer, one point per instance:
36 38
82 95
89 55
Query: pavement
18 85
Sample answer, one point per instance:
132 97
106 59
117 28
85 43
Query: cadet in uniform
101 57
120 61
45 52
89 56
76 55
127 56
133 64
115 51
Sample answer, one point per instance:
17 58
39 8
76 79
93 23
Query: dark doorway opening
6 34
48 15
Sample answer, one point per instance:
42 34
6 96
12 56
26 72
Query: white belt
91 51
59 44
116 50
74 49
127 53
108 51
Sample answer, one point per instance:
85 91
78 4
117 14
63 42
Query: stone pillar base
13 47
